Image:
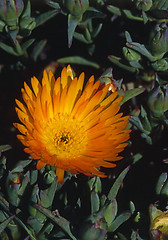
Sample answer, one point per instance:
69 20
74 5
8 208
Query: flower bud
19 7
10 11
27 24
148 76
144 5
107 78
158 101
159 223
158 40
95 227
135 112
131 55
49 177
76 7
160 65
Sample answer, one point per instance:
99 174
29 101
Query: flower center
63 138
66 137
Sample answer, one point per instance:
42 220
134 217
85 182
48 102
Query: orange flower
69 126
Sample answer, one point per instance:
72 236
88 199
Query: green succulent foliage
158 102
17 23
142 60
27 202
151 120
80 21
134 236
33 205
78 60
148 65
142 10
16 204
104 218
158 40
161 187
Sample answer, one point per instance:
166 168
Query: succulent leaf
5 223
78 60
60 221
129 94
119 220
95 202
115 188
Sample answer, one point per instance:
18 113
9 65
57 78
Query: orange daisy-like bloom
69 126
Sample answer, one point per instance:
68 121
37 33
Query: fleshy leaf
121 236
128 37
135 235
37 49
145 17
42 18
51 191
132 207
4 224
45 231
13 191
95 202
98 185
126 12
35 224
103 200
5 206
161 181
114 190
137 122
44 199
119 220
117 61
52 4
60 221
137 157
114 10
4 148
20 166
141 49
27 44
27 11
78 60
72 24
24 184
33 176
97 30
8 49
129 15
110 211
91 13
164 190
80 37
131 93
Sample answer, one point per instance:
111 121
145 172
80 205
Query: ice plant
73 127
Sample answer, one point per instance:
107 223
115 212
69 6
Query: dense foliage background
122 42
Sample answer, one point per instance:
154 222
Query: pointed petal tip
60 175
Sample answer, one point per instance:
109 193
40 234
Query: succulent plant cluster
127 38
17 23
30 199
